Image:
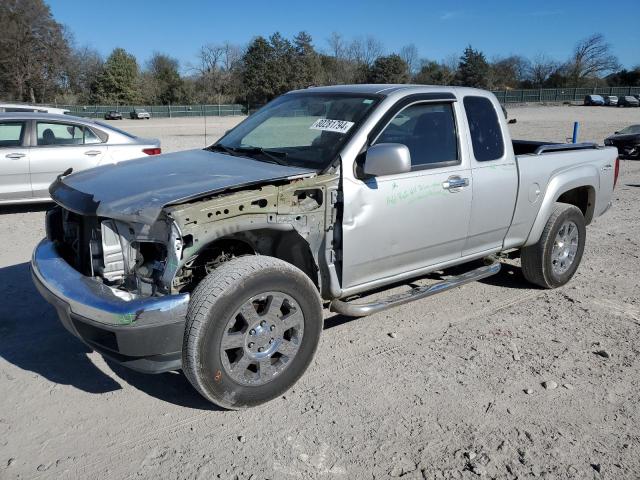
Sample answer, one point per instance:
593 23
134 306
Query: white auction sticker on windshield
328 125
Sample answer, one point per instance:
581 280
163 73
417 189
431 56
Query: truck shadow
26 208
171 387
509 276
33 339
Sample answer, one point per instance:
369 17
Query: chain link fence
560 94
159 111
540 95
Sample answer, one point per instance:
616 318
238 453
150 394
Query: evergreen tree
119 80
473 69
168 85
256 71
389 69
307 61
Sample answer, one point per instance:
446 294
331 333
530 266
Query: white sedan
37 147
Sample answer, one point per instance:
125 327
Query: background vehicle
611 100
594 100
217 261
113 115
628 101
627 141
37 147
139 114
19 107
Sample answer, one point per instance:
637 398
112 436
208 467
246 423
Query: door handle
607 167
455 183
93 153
15 155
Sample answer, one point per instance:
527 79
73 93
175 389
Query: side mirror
387 159
616 133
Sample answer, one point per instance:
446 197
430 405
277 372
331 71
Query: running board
363 309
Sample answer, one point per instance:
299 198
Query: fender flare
583 176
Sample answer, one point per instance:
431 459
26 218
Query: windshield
630 130
300 129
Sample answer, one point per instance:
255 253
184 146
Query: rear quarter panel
543 178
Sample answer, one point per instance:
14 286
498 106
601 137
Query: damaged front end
129 257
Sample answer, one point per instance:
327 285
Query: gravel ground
449 387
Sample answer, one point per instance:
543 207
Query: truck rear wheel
253 326
552 261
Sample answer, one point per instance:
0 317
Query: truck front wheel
253 326
552 261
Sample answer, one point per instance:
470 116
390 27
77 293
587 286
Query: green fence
504 96
159 111
560 94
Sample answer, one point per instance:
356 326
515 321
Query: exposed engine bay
189 240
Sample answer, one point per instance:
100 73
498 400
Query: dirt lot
444 397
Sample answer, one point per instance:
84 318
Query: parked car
594 100
37 147
628 101
611 100
19 107
218 261
113 115
139 114
627 141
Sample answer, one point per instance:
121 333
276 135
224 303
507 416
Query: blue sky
438 29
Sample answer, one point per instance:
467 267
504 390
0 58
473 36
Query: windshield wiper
276 156
221 148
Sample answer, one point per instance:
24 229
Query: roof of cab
388 89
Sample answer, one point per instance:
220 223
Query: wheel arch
577 186
283 243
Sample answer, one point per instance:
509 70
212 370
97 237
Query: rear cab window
484 128
11 134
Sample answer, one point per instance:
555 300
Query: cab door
14 161
58 146
495 175
396 224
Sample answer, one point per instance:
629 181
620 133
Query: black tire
538 260
217 300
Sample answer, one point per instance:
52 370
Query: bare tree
508 72
541 68
409 53
337 47
216 74
365 50
592 57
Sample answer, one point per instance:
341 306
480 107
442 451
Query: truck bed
541 165
534 147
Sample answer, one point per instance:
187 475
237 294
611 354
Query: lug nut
271 341
260 349
263 323
252 332
272 328
251 344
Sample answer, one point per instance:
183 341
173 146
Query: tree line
41 63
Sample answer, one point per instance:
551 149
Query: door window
50 134
484 127
429 131
11 134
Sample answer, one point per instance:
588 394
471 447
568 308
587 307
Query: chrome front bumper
142 333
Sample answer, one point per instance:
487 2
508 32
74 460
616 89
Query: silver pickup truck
220 261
